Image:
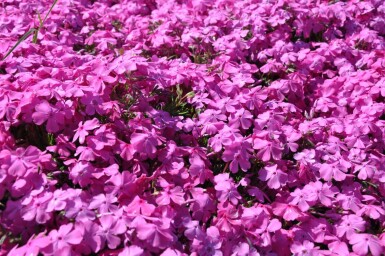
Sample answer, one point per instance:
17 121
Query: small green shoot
25 36
34 31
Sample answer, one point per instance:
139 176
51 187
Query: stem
25 36
32 30
41 22
226 166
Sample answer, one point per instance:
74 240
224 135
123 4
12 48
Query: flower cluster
193 127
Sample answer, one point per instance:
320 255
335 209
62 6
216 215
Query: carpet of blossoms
193 127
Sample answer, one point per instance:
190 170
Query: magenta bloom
132 250
363 243
109 232
158 236
32 247
239 154
145 142
192 127
45 112
303 198
275 177
103 138
99 79
350 225
267 149
226 189
333 171
63 239
21 160
175 195
305 248
83 128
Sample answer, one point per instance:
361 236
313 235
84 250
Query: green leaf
40 20
35 34
2 239
49 11
25 36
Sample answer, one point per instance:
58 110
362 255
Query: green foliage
177 106
117 25
249 33
153 26
51 139
32 134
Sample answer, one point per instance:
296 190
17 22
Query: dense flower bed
193 127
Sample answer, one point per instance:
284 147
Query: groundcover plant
192 127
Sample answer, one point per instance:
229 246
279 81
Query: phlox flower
145 142
349 225
32 247
99 78
83 128
63 239
45 112
156 235
275 177
175 195
238 154
363 243
226 189
303 198
103 138
132 250
306 248
109 231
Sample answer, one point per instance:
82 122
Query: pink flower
32 247
212 244
172 252
325 192
365 170
103 138
304 248
244 249
158 236
83 128
127 151
239 154
140 206
225 137
350 225
275 177
109 232
132 250
339 247
36 208
123 64
20 160
241 118
145 142
267 149
99 79
303 198
334 171
45 112
104 203
288 212
93 104
175 194
363 243
226 189
63 239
